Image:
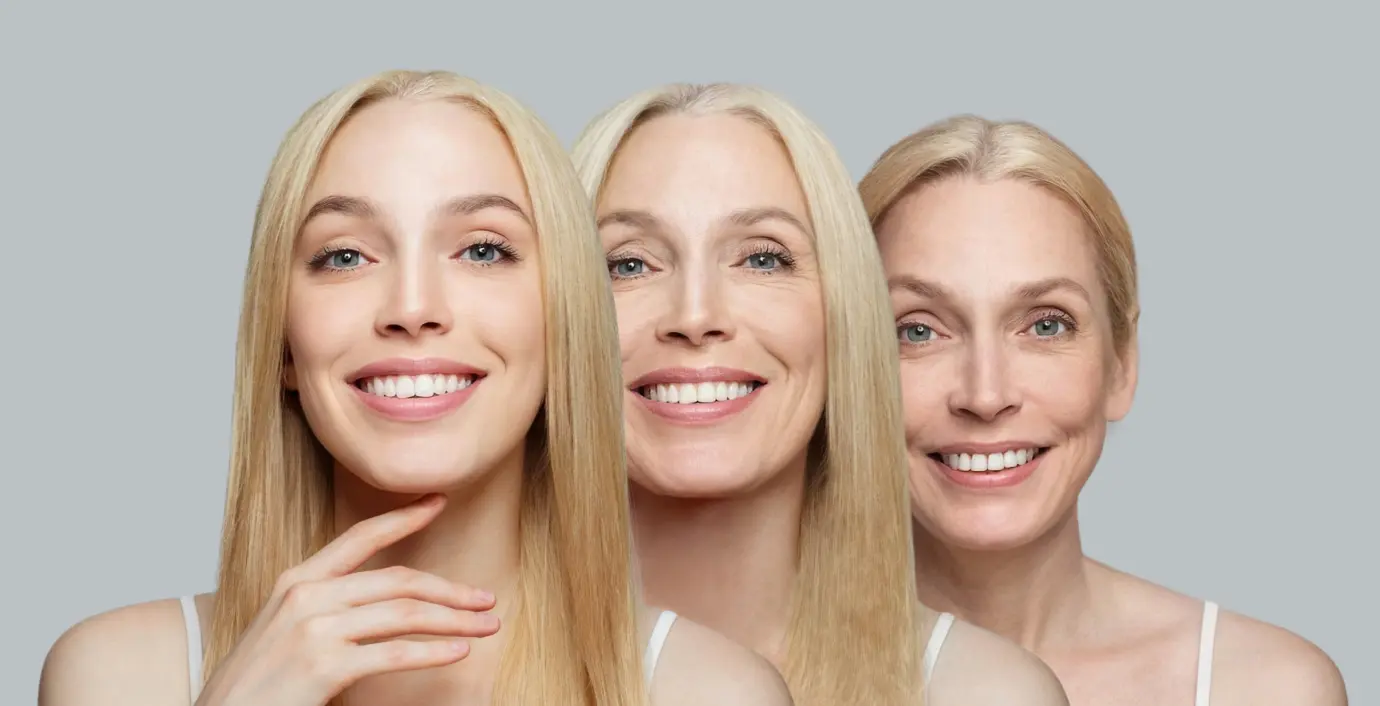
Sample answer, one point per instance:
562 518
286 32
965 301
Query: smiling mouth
410 386
698 392
990 462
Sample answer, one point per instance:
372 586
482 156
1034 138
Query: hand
324 628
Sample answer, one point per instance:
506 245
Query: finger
402 656
405 616
354 547
401 582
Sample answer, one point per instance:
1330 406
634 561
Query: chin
414 466
993 527
695 482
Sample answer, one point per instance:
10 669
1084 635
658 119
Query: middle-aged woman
762 411
426 405
1013 284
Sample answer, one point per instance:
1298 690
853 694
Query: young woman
1013 285
427 443
762 411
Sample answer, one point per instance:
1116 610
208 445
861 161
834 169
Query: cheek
789 323
1070 390
323 323
637 314
511 320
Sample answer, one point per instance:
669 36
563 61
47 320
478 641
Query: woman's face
720 312
415 321
1007 366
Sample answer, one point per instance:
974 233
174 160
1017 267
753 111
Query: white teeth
697 393
415 385
991 462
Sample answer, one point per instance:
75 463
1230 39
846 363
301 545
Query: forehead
403 152
714 163
1004 231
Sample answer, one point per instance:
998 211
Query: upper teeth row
415 385
690 393
990 462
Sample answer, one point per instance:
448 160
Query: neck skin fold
726 563
1037 595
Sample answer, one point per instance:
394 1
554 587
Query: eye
1047 327
343 259
916 333
627 267
485 253
763 261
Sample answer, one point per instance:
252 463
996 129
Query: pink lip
987 480
667 376
697 414
414 366
415 409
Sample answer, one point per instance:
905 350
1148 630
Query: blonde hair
967 145
572 639
853 636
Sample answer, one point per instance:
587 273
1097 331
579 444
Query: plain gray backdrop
1240 141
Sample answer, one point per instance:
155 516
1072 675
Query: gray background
1240 141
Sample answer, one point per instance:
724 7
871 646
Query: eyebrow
742 218
356 207
635 219
1033 290
752 216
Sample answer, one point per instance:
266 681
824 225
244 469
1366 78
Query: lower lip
700 413
416 409
983 480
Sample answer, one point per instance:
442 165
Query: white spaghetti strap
936 643
189 616
1205 643
657 641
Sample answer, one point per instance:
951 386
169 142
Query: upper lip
414 366
694 375
988 448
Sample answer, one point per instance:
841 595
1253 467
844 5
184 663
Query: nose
697 312
415 302
986 390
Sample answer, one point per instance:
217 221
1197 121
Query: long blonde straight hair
572 639
853 637
971 146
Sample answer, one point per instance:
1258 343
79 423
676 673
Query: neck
1035 595
726 563
473 542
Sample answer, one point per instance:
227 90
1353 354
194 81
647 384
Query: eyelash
782 256
322 256
1051 314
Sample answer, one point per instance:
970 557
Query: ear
1125 375
289 372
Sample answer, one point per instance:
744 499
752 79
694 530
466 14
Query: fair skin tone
1005 338
707 234
418 213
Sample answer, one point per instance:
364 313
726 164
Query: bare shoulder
1257 663
700 666
977 667
131 655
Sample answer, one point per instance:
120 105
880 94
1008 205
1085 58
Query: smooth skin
424 213
705 227
1004 331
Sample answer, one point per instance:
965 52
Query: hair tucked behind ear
572 639
854 630
967 145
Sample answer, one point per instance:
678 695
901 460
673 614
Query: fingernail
486 596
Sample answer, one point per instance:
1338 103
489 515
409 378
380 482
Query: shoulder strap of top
657 641
936 642
189 616
1206 640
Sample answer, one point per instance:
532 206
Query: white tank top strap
658 640
1206 640
189 616
936 642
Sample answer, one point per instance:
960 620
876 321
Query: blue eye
1048 327
482 252
627 267
763 261
917 333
